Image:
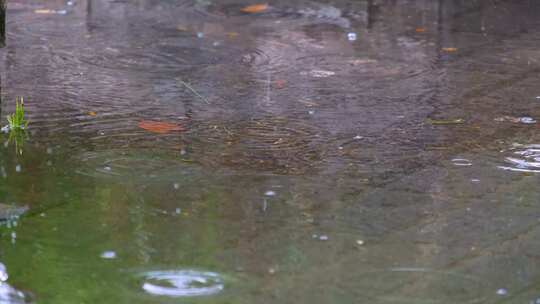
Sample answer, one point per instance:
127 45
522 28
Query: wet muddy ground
295 152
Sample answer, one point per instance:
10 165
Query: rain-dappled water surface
291 152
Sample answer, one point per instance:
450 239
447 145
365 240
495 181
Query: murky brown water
314 152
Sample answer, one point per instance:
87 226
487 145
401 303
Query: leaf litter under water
255 8
160 127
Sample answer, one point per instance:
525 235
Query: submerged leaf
44 11
420 29
159 126
449 49
255 8
92 113
280 83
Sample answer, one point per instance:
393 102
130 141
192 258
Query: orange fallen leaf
92 113
449 49
420 29
159 126
255 8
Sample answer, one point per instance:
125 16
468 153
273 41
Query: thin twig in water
193 91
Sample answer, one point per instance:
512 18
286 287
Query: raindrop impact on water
182 283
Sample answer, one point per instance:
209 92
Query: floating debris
420 30
527 120
311 112
360 242
523 119
358 137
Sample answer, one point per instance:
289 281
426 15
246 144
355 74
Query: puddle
290 142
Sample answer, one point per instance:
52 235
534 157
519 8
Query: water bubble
108 254
360 242
319 73
61 12
358 137
351 36
200 34
502 292
176 186
323 237
311 112
178 211
461 162
270 193
182 283
107 168
70 3
18 168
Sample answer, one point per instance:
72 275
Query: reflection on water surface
305 152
